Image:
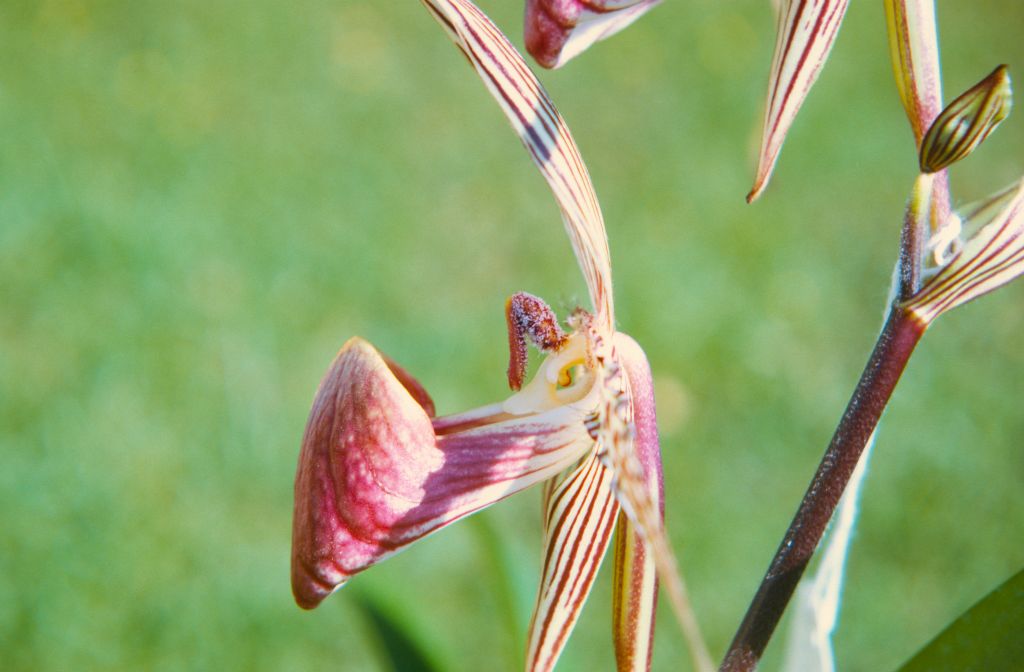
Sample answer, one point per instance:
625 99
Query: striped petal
578 523
635 595
635 590
991 257
377 472
914 52
914 48
557 31
541 129
627 436
806 31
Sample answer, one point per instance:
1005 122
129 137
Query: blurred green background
200 202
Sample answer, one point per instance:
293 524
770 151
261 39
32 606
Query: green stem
912 236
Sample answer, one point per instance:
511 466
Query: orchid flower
379 469
557 31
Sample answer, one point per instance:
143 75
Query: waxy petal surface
556 31
547 139
914 47
373 476
806 31
635 591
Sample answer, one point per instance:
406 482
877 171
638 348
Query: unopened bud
967 121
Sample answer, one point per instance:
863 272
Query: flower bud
967 121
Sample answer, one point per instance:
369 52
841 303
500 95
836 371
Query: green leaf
985 637
398 647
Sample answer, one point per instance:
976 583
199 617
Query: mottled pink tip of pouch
558 30
374 476
368 447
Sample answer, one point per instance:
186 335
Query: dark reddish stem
892 351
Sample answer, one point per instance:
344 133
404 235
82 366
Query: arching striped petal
806 31
989 259
543 132
578 524
914 48
557 31
376 472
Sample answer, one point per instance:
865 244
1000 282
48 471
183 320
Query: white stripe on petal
578 526
806 31
914 49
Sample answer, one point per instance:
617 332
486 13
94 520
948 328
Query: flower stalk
895 345
991 256
937 270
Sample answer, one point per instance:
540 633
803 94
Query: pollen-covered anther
528 317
